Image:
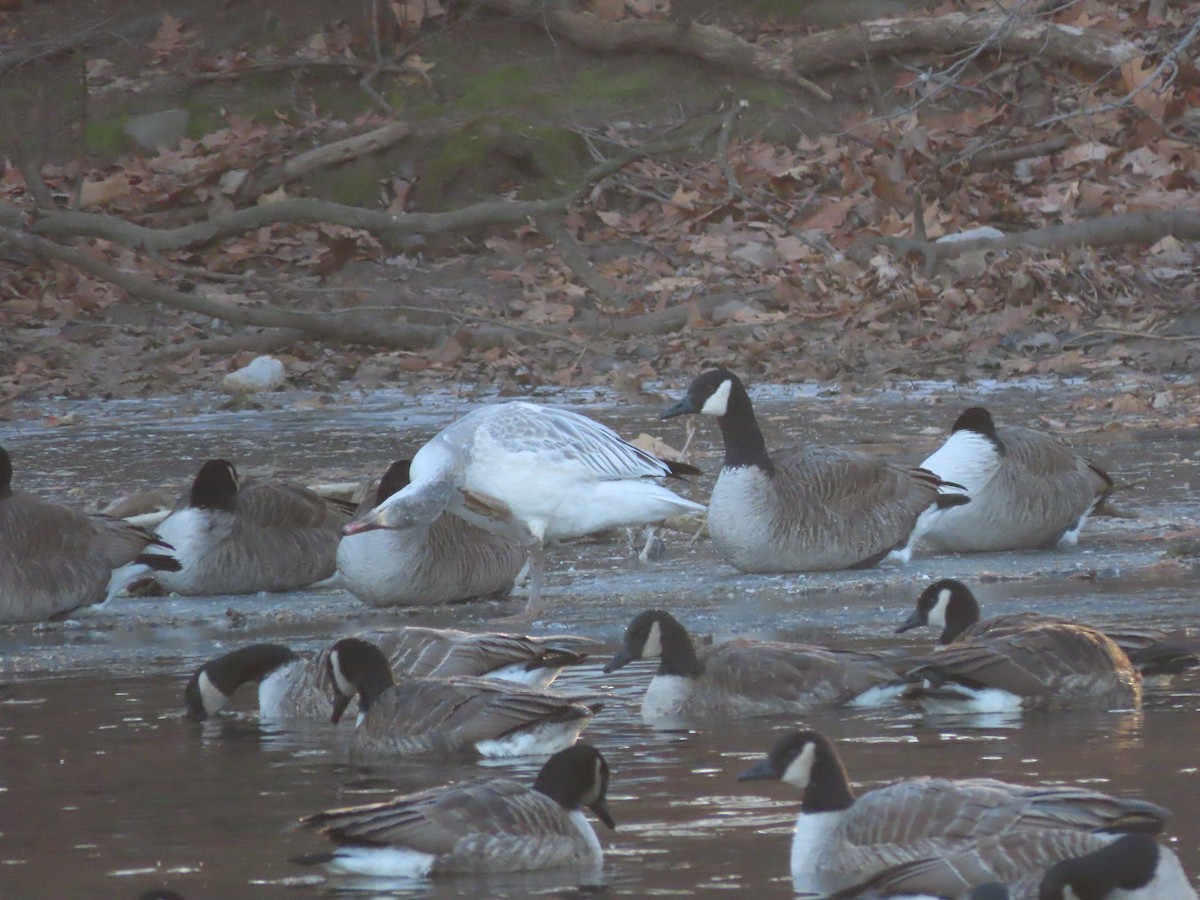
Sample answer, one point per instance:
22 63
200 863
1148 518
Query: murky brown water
105 791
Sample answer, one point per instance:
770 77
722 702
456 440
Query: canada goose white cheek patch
344 687
652 648
212 696
718 402
937 615
799 770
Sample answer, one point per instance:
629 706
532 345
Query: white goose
536 472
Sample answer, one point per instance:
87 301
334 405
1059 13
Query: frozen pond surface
105 791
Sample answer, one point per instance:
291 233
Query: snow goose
492 826
810 508
537 472
241 539
744 677
54 560
443 561
1027 489
410 716
842 838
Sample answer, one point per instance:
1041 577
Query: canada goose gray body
1027 489
289 685
264 536
1054 864
950 605
54 560
444 653
444 561
743 677
493 826
841 839
536 473
807 509
411 715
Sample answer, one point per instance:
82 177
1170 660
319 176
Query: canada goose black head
655 634
5 474
807 760
947 604
978 420
716 392
215 486
212 685
575 777
357 667
1128 863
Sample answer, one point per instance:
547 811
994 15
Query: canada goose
950 605
54 560
444 653
289 686
534 472
492 826
292 686
1082 866
841 838
743 677
1027 489
440 562
810 508
455 715
263 536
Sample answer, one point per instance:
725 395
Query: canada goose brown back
811 508
1027 489
426 564
231 538
54 560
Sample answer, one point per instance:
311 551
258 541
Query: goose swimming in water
538 473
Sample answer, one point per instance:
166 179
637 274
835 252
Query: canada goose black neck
744 443
678 651
396 478
978 420
1128 863
227 673
215 486
5 474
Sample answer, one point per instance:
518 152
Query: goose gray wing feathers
444 652
1050 665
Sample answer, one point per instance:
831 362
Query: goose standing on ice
811 508
1028 489
538 473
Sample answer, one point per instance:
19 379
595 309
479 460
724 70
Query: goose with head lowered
538 473
294 686
234 538
1038 865
54 560
950 605
492 826
444 561
1028 489
742 677
483 716
842 838
810 508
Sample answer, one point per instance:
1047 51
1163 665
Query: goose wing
796 673
281 504
445 652
563 438
1047 473
435 821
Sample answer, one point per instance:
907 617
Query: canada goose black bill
810 508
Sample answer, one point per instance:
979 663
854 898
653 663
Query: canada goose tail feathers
159 562
949 501
680 469
556 658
